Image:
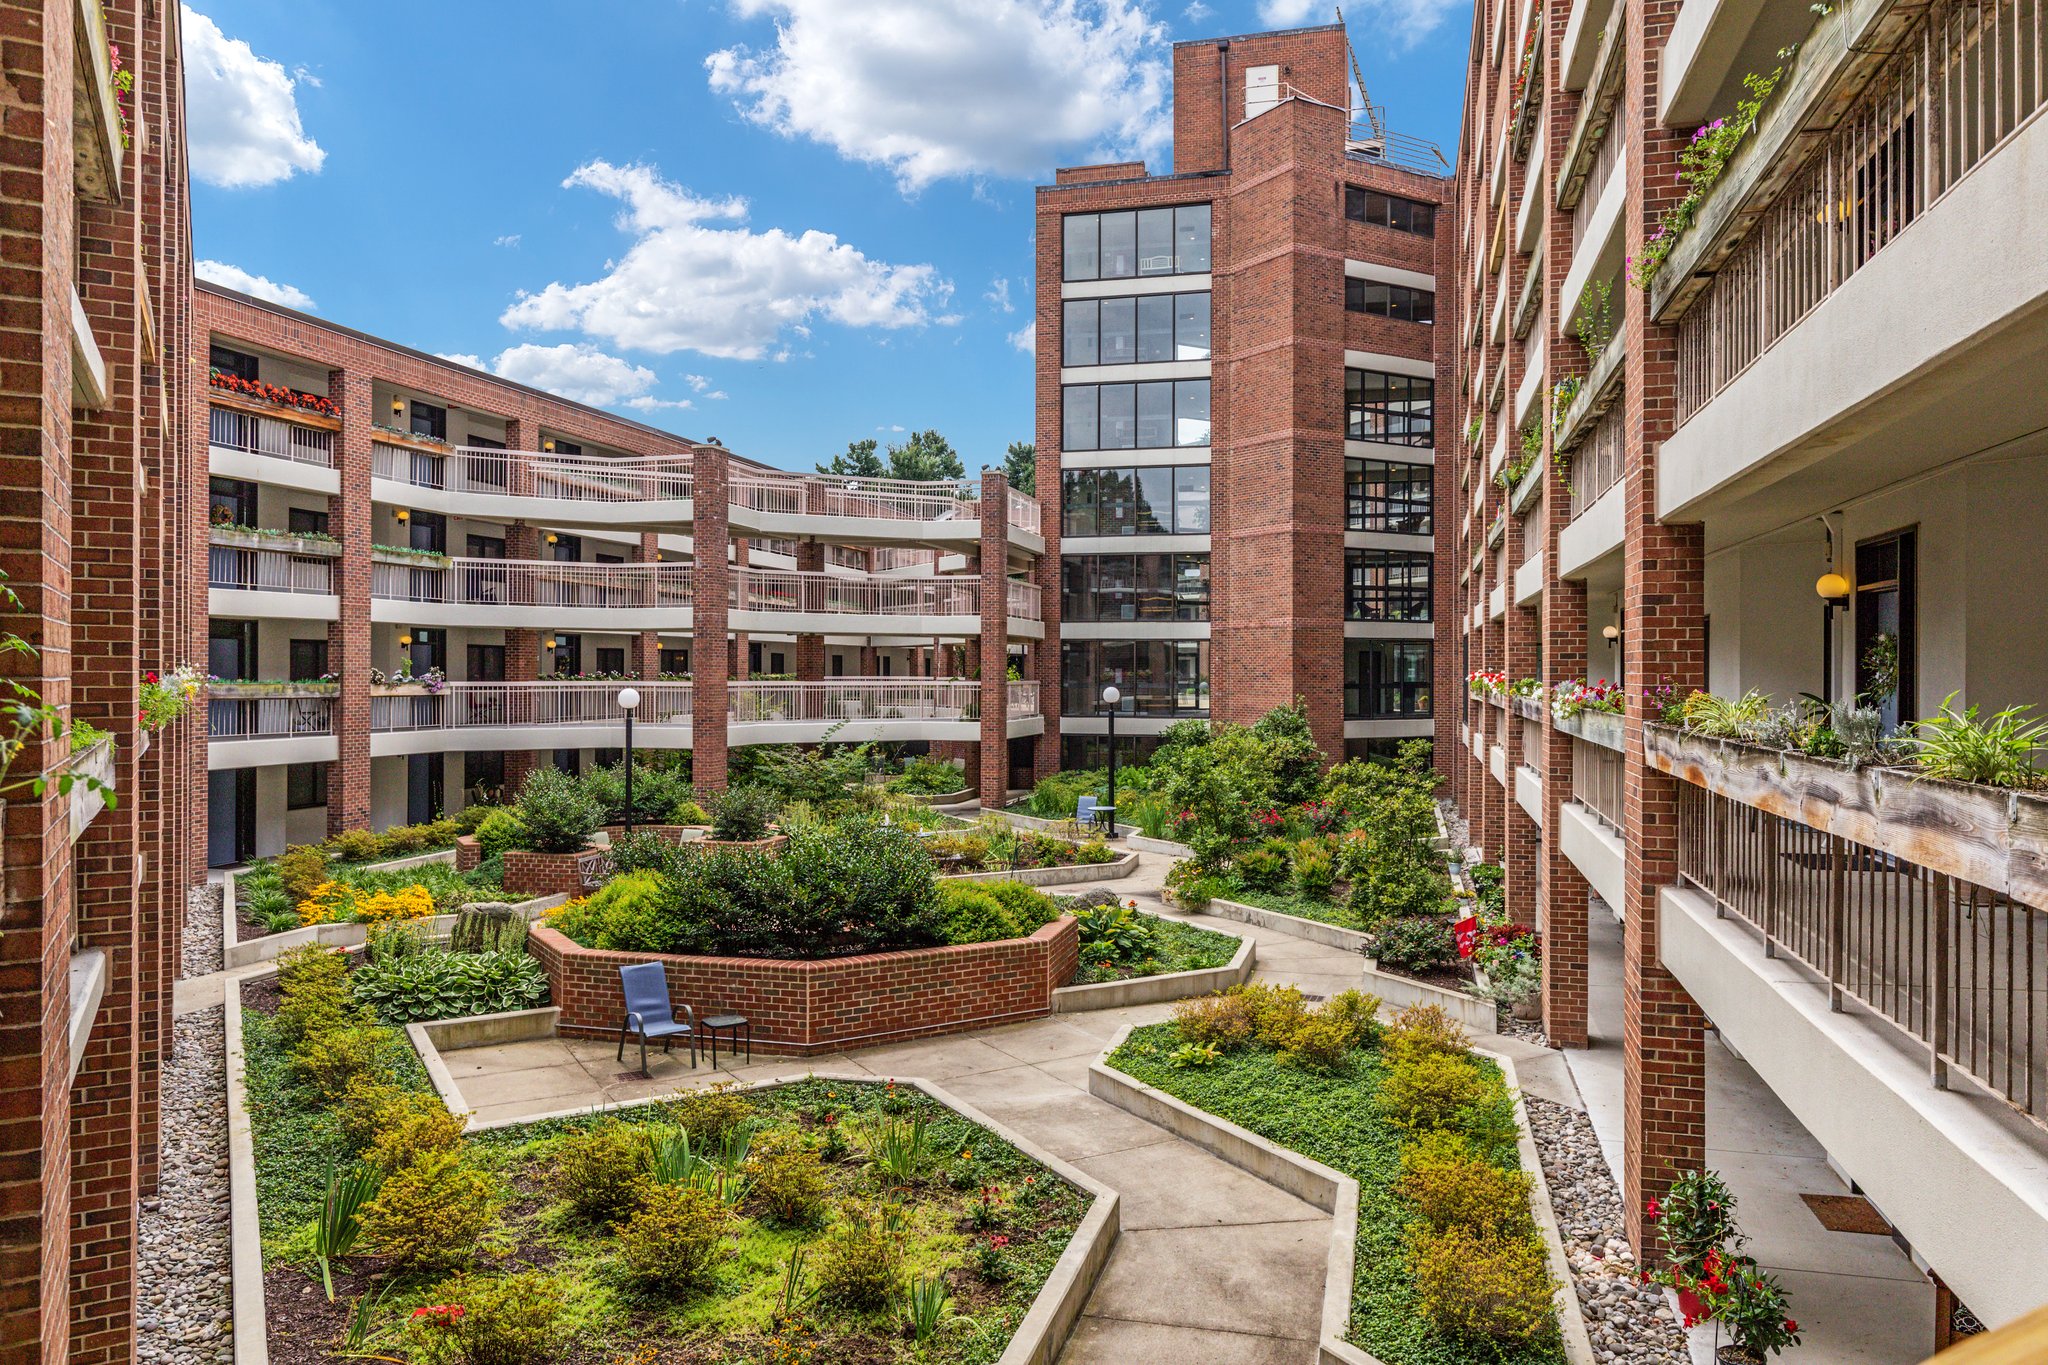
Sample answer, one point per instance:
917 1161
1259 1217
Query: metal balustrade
835 495
1960 82
278 437
536 474
269 717
1597 780
1959 968
1026 602
263 570
1023 511
848 699
533 583
787 590
1596 463
540 704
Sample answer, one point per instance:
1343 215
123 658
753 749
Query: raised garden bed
1188 961
1011 1236
249 938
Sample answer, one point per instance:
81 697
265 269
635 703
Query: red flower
444 1314
1653 1209
998 1241
1790 1325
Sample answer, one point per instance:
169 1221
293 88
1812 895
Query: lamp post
628 699
1110 698
1833 590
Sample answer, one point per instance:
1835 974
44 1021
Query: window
1389 210
429 532
1388 679
610 659
563 447
1385 495
234 501
231 649
566 549
1135 243
306 521
675 660
486 663
1147 587
1146 330
1158 415
308 660
1387 585
429 420
1394 408
776 663
1092 751
230 361
305 786
1156 677
484 547
1150 500
483 775
1397 301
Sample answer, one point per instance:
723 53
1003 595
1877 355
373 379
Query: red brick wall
529 874
807 1007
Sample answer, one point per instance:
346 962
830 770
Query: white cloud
998 295
576 371
939 88
1399 23
256 286
509 239
722 291
242 115
1196 12
1025 338
702 384
1286 13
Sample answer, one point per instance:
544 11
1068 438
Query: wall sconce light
402 515
1833 591
405 641
397 407
551 642
1610 633
548 445
551 538
1832 587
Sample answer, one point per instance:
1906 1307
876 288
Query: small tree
925 457
859 461
1020 466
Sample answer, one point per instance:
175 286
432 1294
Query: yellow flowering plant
335 902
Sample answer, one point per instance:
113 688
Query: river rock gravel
1627 1320
202 950
184 1299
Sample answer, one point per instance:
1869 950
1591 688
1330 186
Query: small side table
733 1025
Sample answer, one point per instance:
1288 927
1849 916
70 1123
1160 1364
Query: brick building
1776 432
1237 369
100 537
379 515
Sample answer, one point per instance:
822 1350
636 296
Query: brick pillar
710 582
1663 609
995 641
870 662
646 645
810 649
348 637
1565 892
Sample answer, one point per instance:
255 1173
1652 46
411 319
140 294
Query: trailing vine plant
1595 325
1701 164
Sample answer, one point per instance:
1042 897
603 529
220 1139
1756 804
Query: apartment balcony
256 725
1891 190
531 485
252 574
98 142
536 593
778 601
1875 945
876 511
250 438
467 717
1596 527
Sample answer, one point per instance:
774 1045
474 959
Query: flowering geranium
163 698
1569 698
274 393
1486 682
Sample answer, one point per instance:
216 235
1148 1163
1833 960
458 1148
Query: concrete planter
1603 728
1048 826
1473 1011
1166 846
1337 1194
1314 930
1076 875
962 797
350 935
1151 990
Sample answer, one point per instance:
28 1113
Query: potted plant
1696 1219
1752 1306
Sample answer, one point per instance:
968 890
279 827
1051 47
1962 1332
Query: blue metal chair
1084 812
649 1014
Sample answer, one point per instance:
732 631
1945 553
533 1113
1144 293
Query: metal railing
849 699
278 437
1025 600
260 570
1597 780
1957 967
834 495
268 717
1532 744
534 583
1023 511
476 705
1606 160
787 590
536 474
1596 464
1957 84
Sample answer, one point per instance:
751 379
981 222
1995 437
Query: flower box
392 436
228 690
398 554
402 690
243 537
273 400
1603 728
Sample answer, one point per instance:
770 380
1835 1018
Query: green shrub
927 777
789 1179
1496 1289
1055 797
311 966
1030 907
300 870
501 830
969 914
675 1235
631 913
709 1114
1315 868
1448 1187
1420 1030
599 1170
1957 747
315 998
505 1320
1222 1021
1264 868
1432 1091
430 1213
559 815
742 814
393 1126
1192 888
859 1264
656 792
356 846
860 881
1117 935
1417 946
467 820
499 929
1277 1011
327 1060
442 985
1093 851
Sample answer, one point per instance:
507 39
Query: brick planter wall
807 1007
468 855
542 874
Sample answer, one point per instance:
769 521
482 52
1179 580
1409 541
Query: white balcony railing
461 706
1596 464
1959 83
834 495
269 717
278 437
1023 511
846 699
537 474
533 582
782 590
257 570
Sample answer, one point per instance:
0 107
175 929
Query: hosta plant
442 985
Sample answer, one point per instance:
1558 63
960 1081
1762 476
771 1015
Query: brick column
870 662
1565 892
1663 606
809 662
710 582
646 646
348 637
995 640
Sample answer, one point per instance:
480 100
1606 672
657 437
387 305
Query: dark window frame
1401 302
1389 585
305 786
1382 511
1413 216
1092 308
1143 398
1403 404
1091 491
1184 259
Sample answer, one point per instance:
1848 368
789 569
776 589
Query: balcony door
231 649
230 816
1887 625
424 797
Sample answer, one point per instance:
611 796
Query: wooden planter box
805 1007
1992 837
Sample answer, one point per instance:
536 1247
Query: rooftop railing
1959 83
260 570
1023 511
278 437
534 583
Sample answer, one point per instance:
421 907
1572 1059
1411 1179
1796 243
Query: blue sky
785 223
